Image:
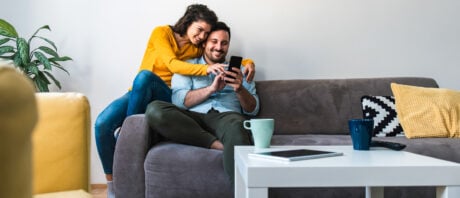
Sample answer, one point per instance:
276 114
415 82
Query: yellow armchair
52 159
61 142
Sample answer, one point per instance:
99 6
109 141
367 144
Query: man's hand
218 83
247 101
250 71
197 96
237 81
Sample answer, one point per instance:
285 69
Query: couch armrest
133 143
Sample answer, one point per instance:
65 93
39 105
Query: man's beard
217 60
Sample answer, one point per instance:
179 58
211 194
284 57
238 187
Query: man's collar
203 60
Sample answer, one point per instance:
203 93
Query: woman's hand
215 68
249 71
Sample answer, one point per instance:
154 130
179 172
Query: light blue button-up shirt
222 101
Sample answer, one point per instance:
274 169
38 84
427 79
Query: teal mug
262 131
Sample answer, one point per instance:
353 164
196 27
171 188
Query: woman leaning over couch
166 51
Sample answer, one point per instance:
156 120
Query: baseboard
98 186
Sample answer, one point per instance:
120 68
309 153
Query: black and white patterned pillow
382 110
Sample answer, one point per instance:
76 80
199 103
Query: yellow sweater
164 57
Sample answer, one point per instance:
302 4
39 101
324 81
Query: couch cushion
383 111
427 112
198 171
441 148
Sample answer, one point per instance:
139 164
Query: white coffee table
372 169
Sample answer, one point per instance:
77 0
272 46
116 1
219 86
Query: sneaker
110 191
117 133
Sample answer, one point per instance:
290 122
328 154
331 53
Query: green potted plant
37 62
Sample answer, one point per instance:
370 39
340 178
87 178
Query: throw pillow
427 112
382 110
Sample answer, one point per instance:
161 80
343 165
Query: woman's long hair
194 12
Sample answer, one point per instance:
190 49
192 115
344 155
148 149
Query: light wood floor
99 190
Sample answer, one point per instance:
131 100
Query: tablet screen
295 153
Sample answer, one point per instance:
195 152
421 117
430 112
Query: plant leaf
18 62
33 69
6 29
35 33
6 49
58 84
43 59
64 58
62 68
41 82
5 40
40 85
47 40
23 50
8 57
54 62
48 51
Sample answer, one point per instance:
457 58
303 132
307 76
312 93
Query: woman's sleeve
247 61
174 64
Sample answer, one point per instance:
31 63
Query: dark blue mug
361 133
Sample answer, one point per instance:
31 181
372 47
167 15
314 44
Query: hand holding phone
235 61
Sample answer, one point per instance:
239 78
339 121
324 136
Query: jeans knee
143 78
144 75
100 126
105 125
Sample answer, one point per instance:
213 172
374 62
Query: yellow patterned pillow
427 112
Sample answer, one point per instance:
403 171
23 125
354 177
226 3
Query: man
207 110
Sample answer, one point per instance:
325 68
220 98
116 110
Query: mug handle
245 124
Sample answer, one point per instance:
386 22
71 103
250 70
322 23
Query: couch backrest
61 148
322 106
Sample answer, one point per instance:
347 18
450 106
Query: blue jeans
146 88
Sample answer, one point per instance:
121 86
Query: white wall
287 39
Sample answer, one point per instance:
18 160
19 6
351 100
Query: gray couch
306 112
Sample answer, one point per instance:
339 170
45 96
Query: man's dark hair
194 12
222 26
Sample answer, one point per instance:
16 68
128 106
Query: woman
166 51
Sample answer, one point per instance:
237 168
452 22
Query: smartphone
235 61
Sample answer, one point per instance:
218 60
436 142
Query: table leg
374 192
241 189
447 191
239 184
